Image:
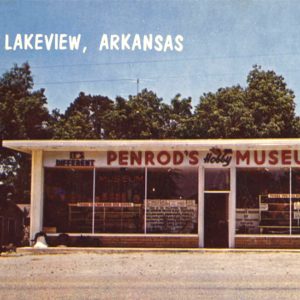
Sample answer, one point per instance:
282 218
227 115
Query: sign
296 215
264 206
268 158
76 160
215 157
284 196
76 155
247 220
218 156
151 158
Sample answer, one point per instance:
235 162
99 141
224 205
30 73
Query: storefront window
217 180
262 201
295 199
172 200
68 200
119 200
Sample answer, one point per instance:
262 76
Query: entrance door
216 220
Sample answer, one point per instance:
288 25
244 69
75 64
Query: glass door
216 220
216 207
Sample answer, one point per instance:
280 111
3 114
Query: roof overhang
27 146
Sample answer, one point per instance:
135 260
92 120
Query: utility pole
137 86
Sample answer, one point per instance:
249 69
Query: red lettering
286 157
241 157
296 157
263 157
161 155
273 157
149 158
135 158
193 158
111 156
177 157
123 158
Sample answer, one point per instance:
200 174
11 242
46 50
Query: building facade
167 193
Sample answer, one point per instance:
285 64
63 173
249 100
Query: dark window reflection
217 180
173 183
172 200
68 200
254 182
263 201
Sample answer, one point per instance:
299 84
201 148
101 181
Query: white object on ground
40 243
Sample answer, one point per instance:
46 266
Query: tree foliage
264 109
98 117
23 112
85 118
144 119
179 118
223 114
271 104
23 115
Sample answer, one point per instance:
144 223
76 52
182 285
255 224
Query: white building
167 193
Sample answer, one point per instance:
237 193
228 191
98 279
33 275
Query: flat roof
28 146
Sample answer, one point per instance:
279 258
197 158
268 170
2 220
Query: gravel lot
151 275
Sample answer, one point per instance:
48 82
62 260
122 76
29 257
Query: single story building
242 193
11 224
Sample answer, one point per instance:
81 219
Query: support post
37 193
145 201
232 208
201 206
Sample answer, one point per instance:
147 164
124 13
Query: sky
222 40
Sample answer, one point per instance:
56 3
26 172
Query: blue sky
222 41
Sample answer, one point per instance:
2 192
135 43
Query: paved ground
149 275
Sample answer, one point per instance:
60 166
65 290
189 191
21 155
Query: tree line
264 108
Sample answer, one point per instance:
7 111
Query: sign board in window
297 205
296 215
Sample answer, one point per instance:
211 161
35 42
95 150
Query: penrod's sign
215 158
151 158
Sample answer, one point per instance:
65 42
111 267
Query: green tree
271 104
139 117
179 118
23 115
223 115
117 120
23 112
85 118
145 119
264 109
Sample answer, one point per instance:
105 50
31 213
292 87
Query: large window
119 200
113 200
68 200
172 196
263 201
110 202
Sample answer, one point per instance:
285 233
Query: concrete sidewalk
106 250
